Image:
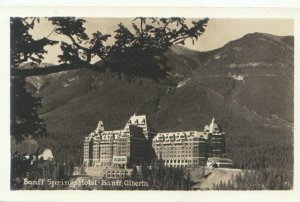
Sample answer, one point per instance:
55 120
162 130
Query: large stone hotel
135 144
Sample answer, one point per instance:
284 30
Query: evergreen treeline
63 147
269 156
270 179
161 177
24 169
158 177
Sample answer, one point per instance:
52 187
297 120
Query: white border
156 3
7 195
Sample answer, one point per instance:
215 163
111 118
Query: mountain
247 85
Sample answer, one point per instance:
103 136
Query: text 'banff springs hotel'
135 144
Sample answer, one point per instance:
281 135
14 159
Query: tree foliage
25 120
23 47
82 47
161 177
157 176
32 169
137 51
141 53
24 107
268 179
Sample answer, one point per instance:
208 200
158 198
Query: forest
157 176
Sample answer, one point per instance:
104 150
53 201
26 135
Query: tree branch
76 44
179 40
141 25
50 69
87 50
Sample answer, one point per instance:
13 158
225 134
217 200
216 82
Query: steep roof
184 135
137 120
101 134
180 136
100 127
47 155
213 127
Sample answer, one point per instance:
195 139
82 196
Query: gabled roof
182 135
213 127
47 155
100 127
137 120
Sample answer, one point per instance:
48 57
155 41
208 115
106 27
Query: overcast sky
217 34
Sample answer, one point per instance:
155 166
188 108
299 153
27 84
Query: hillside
247 85
214 176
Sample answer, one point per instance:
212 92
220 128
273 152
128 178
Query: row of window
114 175
177 151
96 153
181 165
179 140
176 148
179 161
109 147
164 156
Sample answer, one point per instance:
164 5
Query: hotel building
190 148
135 144
120 148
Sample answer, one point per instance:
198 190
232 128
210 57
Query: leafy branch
138 51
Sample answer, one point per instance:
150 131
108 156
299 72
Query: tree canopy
23 48
137 53
24 107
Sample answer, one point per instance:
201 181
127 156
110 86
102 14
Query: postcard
187 101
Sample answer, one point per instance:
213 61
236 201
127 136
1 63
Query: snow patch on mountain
182 83
69 81
237 77
250 64
39 81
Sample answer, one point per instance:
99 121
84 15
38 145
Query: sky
218 31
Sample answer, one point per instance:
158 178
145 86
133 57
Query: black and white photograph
151 103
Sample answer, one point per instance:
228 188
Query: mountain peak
180 50
268 38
